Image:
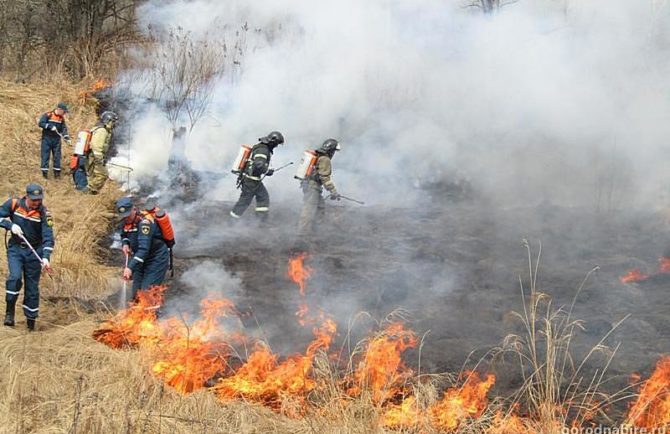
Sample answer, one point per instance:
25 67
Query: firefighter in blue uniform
143 241
251 179
28 220
53 129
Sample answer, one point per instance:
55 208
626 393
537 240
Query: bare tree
184 73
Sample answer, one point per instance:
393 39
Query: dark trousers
151 273
24 265
50 148
79 174
252 189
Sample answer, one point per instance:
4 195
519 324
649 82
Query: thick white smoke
544 101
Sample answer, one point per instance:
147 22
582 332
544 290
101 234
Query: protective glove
335 196
127 274
16 230
67 139
54 129
270 172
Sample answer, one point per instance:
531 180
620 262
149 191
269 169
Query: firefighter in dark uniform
313 203
28 220
251 178
142 239
53 129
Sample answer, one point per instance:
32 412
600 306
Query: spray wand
23 238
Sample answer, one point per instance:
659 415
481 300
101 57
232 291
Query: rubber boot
31 324
9 316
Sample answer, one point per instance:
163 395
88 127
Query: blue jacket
37 225
48 120
145 239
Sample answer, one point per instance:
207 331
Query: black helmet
330 146
274 138
108 116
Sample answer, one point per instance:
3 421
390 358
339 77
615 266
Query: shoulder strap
148 215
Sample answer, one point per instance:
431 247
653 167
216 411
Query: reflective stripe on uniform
262 209
260 156
138 259
232 214
32 310
32 219
48 248
255 178
12 292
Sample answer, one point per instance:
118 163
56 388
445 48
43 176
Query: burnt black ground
454 267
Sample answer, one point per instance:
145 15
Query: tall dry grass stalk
556 391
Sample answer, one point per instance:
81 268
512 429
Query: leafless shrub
183 75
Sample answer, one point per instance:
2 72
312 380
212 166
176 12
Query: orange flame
135 324
186 356
263 379
302 312
97 86
404 415
458 404
652 408
298 272
634 275
664 265
381 368
100 84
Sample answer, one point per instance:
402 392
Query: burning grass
374 387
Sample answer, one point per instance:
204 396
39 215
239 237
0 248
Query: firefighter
251 177
312 187
143 242
96 161
31 225
53 129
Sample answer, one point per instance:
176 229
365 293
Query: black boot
31 324
56 174
45 174
9 316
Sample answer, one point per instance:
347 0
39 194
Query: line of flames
636 275
193 355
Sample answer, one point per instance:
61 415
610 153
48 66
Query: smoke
205 280
530 104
